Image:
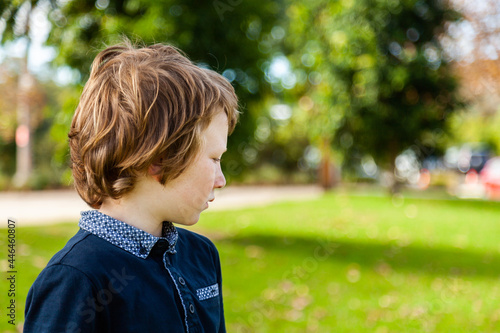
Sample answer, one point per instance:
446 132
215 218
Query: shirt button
162 244
181 281
191 308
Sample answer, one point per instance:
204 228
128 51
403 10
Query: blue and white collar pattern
129 238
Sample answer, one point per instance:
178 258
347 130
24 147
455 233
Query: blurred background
393 93
391 105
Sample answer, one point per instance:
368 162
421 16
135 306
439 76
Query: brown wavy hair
142 106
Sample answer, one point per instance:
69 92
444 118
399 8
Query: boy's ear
154 171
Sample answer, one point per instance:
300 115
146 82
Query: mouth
206 204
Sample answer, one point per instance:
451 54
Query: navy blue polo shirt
113 277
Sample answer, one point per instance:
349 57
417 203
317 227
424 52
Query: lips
206 203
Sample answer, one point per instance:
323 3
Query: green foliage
341 263
374 72
470 126
9 10
13 14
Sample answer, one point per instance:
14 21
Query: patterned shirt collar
125 236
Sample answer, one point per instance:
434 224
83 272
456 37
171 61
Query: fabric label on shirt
208 292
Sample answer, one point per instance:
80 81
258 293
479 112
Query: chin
191 221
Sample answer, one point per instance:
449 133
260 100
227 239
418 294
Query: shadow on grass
445 261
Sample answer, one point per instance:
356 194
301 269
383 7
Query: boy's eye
216 159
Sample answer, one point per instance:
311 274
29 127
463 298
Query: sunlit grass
361 264
341 263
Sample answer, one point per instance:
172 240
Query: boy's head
142 107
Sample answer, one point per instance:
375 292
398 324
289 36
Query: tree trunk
24 163
327 174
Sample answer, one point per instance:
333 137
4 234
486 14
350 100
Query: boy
145 142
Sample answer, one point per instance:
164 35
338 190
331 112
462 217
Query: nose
220 180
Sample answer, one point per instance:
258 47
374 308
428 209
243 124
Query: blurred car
470 156
490 178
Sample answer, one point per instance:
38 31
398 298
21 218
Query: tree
16 16
373 75
41 99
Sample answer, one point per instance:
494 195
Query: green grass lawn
342 263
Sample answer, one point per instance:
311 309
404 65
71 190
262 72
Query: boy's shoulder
88 253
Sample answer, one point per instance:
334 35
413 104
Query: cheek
205 175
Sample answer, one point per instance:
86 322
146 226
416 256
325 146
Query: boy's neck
134 209
133 217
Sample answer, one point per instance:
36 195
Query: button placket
173 275
186 296
181 281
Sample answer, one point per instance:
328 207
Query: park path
56 206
